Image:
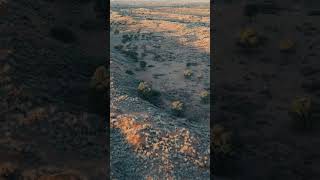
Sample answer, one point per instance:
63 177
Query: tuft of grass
301 112
177 107
187 73
145 89
205 96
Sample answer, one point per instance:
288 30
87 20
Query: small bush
205 96
187 73
300 112
145 89
177 107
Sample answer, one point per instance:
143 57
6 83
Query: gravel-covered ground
148 140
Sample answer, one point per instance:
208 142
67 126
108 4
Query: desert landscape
266 76
160 90
49 52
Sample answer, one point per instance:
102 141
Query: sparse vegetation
187 73
300 112
205 96
157 44
145 89
177 107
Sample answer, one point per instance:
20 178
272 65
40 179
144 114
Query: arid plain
160 65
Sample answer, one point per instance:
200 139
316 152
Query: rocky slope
148 140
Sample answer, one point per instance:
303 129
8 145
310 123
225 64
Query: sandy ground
168 44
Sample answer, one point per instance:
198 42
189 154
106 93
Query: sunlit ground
150 142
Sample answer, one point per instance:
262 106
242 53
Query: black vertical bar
107 18
212 43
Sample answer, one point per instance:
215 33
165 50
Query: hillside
159 70
48 52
